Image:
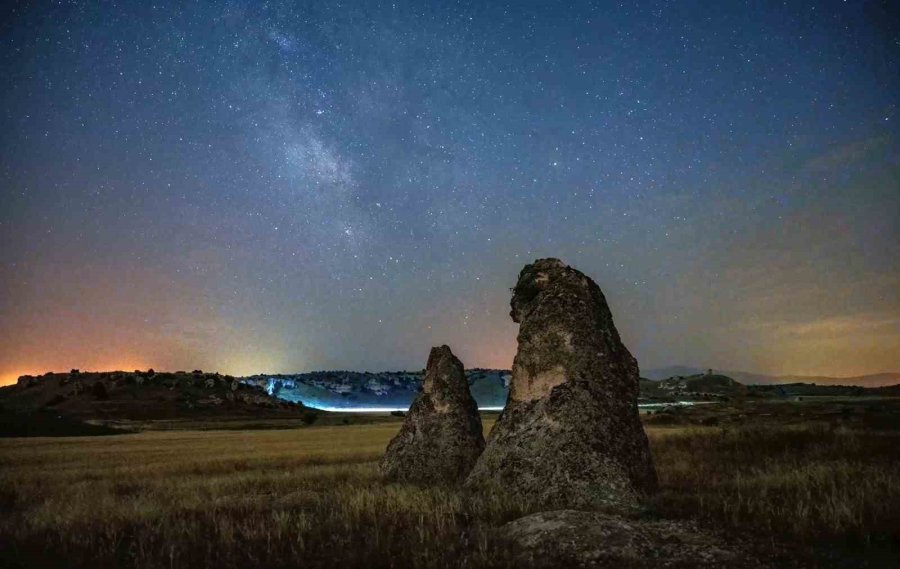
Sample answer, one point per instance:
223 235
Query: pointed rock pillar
441 436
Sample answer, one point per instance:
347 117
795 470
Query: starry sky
286 186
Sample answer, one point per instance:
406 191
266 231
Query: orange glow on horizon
10 378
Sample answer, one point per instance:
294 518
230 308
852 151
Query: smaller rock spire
441 438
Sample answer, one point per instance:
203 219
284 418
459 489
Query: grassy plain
812 495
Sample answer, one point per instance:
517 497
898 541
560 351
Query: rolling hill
699 386
59 401
749 378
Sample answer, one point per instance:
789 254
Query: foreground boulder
570 435
570 538
441 437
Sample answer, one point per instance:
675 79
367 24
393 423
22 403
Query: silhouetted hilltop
139 395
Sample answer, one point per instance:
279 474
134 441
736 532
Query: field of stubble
311 497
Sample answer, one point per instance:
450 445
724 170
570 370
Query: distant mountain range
749 378
151 395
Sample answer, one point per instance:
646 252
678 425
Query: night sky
291 186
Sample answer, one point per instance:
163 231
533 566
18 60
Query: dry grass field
311 497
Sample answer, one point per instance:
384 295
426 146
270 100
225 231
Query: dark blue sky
286 186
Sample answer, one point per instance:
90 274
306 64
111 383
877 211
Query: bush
99 391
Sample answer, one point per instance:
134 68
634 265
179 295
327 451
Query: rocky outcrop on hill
569 538
441 436
386 389
570 434
700 387
140 395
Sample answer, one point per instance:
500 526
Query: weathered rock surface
570 435
569 538
441 437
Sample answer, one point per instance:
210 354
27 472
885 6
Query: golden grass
803 483
311 497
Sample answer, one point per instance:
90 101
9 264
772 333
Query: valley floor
808 495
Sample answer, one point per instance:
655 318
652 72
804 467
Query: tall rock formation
570 434
441 437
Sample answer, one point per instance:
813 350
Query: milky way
289 186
